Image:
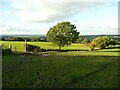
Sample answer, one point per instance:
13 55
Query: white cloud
49 11
98 30
10 30
4 29
72 0
44 11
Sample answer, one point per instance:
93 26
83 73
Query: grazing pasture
45 45
20 46
52 69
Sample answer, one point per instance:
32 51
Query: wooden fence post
10 47
25 45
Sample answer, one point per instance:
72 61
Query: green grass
19 45
71 69
48 45
45 45
77 69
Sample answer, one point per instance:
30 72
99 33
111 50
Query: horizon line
45 34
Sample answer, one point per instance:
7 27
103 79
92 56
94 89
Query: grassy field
45 45
19 46
71 69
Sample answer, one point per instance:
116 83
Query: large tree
64 33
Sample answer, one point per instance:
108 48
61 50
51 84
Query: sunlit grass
45 45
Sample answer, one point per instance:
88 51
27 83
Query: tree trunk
59 47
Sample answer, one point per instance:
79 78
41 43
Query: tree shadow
67 50
115 47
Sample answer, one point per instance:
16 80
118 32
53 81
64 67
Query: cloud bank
38 12
50 10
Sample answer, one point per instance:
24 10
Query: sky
37 16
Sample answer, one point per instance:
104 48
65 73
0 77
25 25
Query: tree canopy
79 40
64 33
102 42
85 41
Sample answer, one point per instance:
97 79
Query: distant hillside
26 35
117 37
94 36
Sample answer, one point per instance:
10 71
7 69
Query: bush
85 41
18 39
91 46
114 42
33 48
6 51
37 49
79 40
3 39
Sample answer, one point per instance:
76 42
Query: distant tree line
42 39
83 41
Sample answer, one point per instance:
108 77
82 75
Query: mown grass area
72 69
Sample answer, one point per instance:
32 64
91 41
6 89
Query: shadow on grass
72 81
44 50
102 68
110 51
113 47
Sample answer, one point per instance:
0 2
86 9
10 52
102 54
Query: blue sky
37 16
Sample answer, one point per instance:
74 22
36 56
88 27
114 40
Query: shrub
37 39
6 51
85 41
114 42
3 39
33 48
37 49
79 40
91 46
